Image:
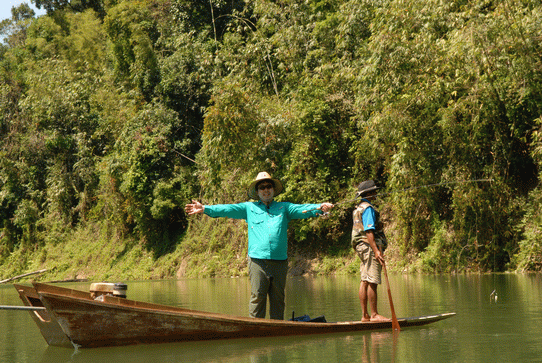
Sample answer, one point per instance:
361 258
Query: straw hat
253 193
366 187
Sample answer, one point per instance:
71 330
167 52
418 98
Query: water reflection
362 347
374 343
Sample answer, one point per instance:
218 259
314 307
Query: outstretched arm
301 211
194 208
235 211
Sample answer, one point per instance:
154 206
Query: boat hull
115 321
46 321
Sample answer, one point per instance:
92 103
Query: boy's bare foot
378 317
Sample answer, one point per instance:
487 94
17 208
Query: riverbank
208 248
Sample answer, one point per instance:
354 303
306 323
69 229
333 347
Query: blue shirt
369 218
267 226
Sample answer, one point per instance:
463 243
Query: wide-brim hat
253 193
366 187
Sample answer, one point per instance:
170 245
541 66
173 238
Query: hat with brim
277 185
366 187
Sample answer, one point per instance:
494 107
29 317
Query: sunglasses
265 186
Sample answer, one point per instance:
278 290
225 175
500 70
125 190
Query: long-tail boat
106 320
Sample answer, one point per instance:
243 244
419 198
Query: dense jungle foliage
115 113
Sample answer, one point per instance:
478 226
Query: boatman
369 241
267 222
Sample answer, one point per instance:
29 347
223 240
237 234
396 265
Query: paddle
394 322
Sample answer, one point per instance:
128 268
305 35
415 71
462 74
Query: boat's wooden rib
113 321
46 322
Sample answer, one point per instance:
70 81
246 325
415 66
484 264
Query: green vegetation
115 113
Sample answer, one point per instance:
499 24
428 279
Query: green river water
506 329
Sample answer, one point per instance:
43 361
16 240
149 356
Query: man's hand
326 207
376 250
194 208
379 257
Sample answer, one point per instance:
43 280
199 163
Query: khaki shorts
370 268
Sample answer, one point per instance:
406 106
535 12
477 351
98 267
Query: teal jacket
267 226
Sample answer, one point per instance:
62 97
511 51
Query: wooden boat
46 321
113 321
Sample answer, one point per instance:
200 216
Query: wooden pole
394 322
24 308
23 275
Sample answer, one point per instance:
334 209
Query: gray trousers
267 278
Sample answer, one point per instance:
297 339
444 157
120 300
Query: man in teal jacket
267 222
